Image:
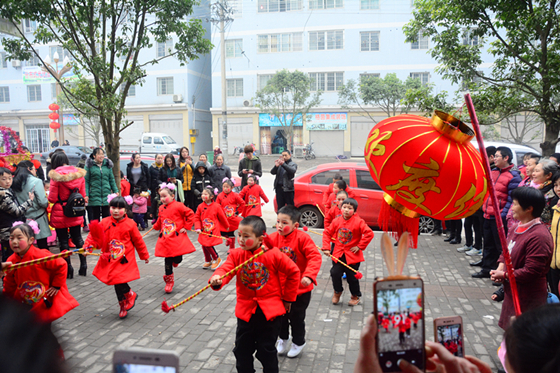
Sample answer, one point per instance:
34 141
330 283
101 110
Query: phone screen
451 337
400 327
141 368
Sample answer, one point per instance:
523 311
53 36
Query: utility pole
222 15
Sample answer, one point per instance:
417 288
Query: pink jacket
140 205
63 181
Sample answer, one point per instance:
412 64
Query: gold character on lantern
419 181
479 199
374 148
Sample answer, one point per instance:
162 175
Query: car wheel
311 217
427 225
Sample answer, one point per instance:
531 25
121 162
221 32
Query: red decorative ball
54 125
54 107
305 228
359 275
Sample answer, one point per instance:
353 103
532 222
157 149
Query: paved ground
203 330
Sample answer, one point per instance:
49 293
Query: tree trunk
112 148
552 129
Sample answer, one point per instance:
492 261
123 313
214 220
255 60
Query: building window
3 62
4 94
326 4
369 41
262 80
424 77
62 53
330 40
29 26
234 48
369 75
164 49
476 80
131 90
369 4
280 43
164 86
53 91
328 82
420 43
234 87
236 7
34 60
469 38
33 93
269 6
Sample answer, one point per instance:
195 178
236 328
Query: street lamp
57 74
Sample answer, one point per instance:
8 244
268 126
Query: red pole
499 224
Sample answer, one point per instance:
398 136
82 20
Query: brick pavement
203 330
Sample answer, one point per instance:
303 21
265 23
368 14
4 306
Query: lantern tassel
395 224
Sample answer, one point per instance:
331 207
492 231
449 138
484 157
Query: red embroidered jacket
29 284
252 196
347 234
172 218
301 249
258 282
121 236
211 219
231 202
333 213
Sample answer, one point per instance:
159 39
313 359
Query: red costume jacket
333 213
258 282
231 202
29 284
171 219
301 249
211 219
329 196
385 323
401 325
63 181
252 196
347 234
121 238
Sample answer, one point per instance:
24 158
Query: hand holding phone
448 331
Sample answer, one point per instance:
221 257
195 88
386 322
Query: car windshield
85 149
168 140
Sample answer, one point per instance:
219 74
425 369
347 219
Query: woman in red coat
230 202
174 221
117 264
42 286
65 180
209 221
252 194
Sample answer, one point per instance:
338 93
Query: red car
310 185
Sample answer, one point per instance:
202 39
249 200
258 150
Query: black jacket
287 172
246 164
199 182
217 174
157 176
144 182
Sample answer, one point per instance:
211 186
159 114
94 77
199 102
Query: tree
423 99
386 93
104 39
91 129
288 96
522 40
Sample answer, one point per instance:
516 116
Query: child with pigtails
231 202
209 222
252 194
174 221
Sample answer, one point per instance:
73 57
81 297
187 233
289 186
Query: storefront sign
325 121
270 120
70 120
35 75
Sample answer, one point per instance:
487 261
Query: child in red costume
230 202
401 324
337 186
41 286
252 194
351 235
336 210
385 325
210 219
174 221
261 296
117 264
300 248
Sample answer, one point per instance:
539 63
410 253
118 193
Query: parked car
153 143
74 153
310 185
518 151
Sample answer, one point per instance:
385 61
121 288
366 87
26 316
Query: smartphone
144 360
449 332
399 306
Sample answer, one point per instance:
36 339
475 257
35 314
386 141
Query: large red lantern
54 107
426 167
53 116
54 125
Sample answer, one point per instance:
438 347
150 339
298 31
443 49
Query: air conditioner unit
247 103
177 98
16 63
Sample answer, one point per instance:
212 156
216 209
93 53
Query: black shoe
496 283
83 265
455 241
499 294
70 272
437 233
450 238
478 263
481 274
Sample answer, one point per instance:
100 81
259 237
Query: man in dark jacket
285 171
251 164
506 178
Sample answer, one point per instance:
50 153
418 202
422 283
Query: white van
518 151
153 143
